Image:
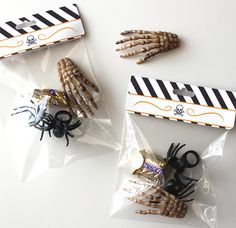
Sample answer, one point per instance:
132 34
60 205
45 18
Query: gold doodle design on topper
19 43
191 112
44 37
166 109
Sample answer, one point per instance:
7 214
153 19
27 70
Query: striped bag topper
40 30
181 102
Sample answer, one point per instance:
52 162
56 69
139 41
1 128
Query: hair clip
152 43
76 88
166 192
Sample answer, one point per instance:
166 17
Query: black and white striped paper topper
167 99
40 29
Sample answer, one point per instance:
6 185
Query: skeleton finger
144 203
129 32
87 82
148 212
73 70
149 55
150 197
74 107
142 50
86 92
130 38
136 43
79 99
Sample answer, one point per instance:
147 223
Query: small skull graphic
179 110
31 40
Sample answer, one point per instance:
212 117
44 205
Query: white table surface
80 195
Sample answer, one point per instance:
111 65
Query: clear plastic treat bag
164 167
53 111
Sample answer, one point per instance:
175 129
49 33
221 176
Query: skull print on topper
179 110
31 40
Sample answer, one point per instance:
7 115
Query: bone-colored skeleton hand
152 43
156 198
75 86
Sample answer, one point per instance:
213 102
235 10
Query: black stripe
205 95
136 85
13 25
166 118
35 27
149 87
209 125
138 113
29 49
71 13
163 89
219 98
175 86
180 120
44 20
194 98
57 16
232 98
151 115
5 33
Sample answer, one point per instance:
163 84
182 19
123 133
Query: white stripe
199 95
2 37
64 14
187 121
11 30
50 18
226 99
202 124
170 89
156 88
213 97
143 86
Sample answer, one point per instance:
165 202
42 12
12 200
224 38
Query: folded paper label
39 30
181 102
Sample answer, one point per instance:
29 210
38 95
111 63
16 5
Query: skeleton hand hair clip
77 88
151 42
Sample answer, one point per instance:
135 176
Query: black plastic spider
180 185
59 126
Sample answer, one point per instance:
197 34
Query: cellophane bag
39 126
156 152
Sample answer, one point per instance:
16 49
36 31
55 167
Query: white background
80 195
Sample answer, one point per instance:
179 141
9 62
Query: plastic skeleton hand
152 43
161 202
75 86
